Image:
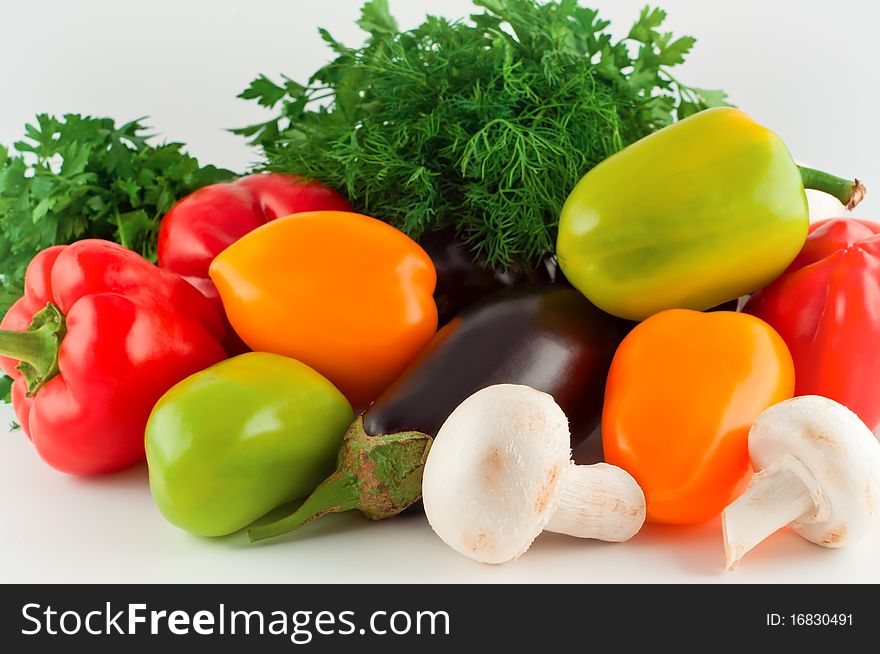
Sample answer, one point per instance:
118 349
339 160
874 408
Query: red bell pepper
97 339
826 307
203 224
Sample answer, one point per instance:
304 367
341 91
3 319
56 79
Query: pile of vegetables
79 177
286 346
482 125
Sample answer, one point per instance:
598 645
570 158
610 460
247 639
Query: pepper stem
850 192
337 493
37 347
379 476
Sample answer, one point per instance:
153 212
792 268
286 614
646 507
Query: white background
805 68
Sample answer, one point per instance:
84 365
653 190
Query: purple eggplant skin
463 279
549 337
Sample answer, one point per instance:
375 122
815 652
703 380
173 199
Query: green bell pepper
229 444
704 211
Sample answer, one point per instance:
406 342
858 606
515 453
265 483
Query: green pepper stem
338 493
850 192
37 347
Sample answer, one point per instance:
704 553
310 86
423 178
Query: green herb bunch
83 177
484 124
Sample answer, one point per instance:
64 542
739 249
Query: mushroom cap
840 453
494 472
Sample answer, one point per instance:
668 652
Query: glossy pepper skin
706 210
98 337
346 294
683 390
203 224
547 336
825 307
230 443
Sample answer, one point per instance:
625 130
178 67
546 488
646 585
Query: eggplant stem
378 475
338 493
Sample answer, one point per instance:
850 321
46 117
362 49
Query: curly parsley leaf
377 19
83 177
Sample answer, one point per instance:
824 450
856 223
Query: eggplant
463 278
730 305
549 337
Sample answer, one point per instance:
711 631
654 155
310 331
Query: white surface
59 528
805 68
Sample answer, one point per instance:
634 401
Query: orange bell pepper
348 295
683 390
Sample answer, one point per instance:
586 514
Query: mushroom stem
776 497
599 501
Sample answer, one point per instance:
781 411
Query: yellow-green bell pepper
229 444
701 212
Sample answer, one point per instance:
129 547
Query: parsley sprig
484 124
83 177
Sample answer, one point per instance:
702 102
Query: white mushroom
499 472
818 470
